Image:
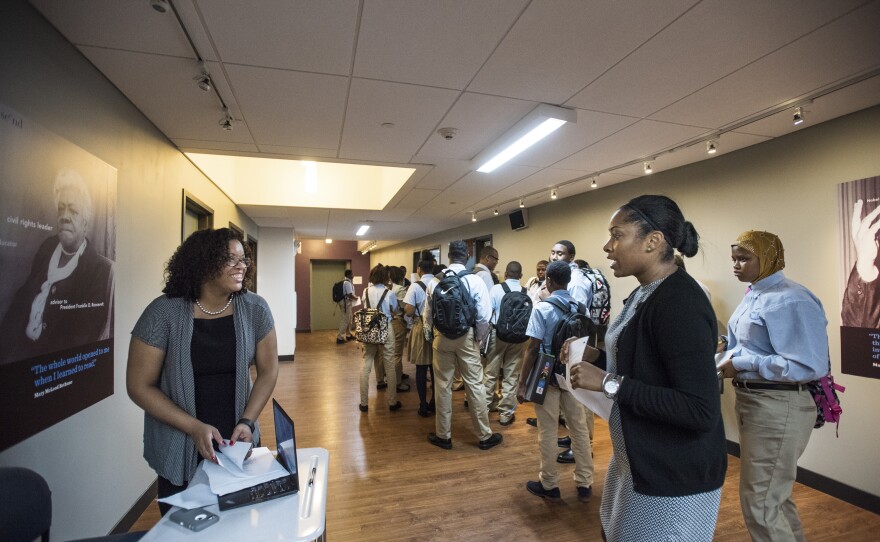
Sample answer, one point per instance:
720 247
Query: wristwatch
247 422
611 385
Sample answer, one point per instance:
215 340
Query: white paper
260 467
234 455
197 494
594 400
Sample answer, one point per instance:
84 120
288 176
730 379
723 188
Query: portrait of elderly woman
67 297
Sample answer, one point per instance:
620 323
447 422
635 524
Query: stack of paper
594 400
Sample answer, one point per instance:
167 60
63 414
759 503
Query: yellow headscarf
767 247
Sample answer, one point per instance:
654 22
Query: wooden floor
388 483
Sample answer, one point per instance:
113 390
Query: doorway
324 312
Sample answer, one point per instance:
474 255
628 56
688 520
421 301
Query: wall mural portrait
57 252
859 213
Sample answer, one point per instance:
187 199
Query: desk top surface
270 520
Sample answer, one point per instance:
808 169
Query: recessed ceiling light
328 240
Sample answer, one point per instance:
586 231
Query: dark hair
426 266
559 272
200 258
396 274
513 270
378 274
458 252
659 213
582 264
488 251
545 262
348 273
438 268
679 261
569 246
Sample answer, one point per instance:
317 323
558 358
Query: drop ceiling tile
307 36
642 139
163 89
444 173
428 43
417 198
113 24
842 102
300 152
194 145
833 53
556 48
290 109
702 46
413 110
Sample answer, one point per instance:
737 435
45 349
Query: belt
749 385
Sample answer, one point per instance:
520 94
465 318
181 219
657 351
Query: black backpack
338 292
454 310
600 306
513 315
573 324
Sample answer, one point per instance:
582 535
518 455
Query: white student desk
297 518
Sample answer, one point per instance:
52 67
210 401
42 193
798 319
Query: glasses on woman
232 261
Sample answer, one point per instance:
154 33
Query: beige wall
787 186
93 460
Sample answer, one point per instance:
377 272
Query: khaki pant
399 341
548 432
774 428
506 358
379 353
344 319
462 354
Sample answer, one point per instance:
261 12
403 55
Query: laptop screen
285 440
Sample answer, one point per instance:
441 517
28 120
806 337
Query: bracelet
248 423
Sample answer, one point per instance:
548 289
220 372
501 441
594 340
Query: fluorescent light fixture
534 127
328 241
363 229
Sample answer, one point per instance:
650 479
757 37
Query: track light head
553 194
160 5
711 147
473 217
496 212
522 203
594 184
649 167
798 117
204 82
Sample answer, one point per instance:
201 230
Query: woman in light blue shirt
777 344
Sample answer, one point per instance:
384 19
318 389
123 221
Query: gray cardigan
167 324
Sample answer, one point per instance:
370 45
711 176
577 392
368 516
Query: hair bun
690 240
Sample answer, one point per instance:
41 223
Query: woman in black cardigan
664 479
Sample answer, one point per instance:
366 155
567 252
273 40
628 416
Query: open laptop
280 487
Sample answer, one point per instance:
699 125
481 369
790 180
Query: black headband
651 224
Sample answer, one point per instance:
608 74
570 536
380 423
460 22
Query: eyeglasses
232 261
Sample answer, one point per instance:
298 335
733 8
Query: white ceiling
317 79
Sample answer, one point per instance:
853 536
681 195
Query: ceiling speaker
519 219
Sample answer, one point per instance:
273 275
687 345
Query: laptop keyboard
258 493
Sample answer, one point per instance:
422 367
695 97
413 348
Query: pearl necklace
215 313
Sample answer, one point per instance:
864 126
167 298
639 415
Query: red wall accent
316 249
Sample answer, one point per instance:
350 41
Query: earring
649 249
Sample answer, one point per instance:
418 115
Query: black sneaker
340 341
404 376
395 406
363 408
492 441
585 493
551 495
445 443
381 385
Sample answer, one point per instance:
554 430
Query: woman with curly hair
190 354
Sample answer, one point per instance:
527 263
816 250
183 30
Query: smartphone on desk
195 519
